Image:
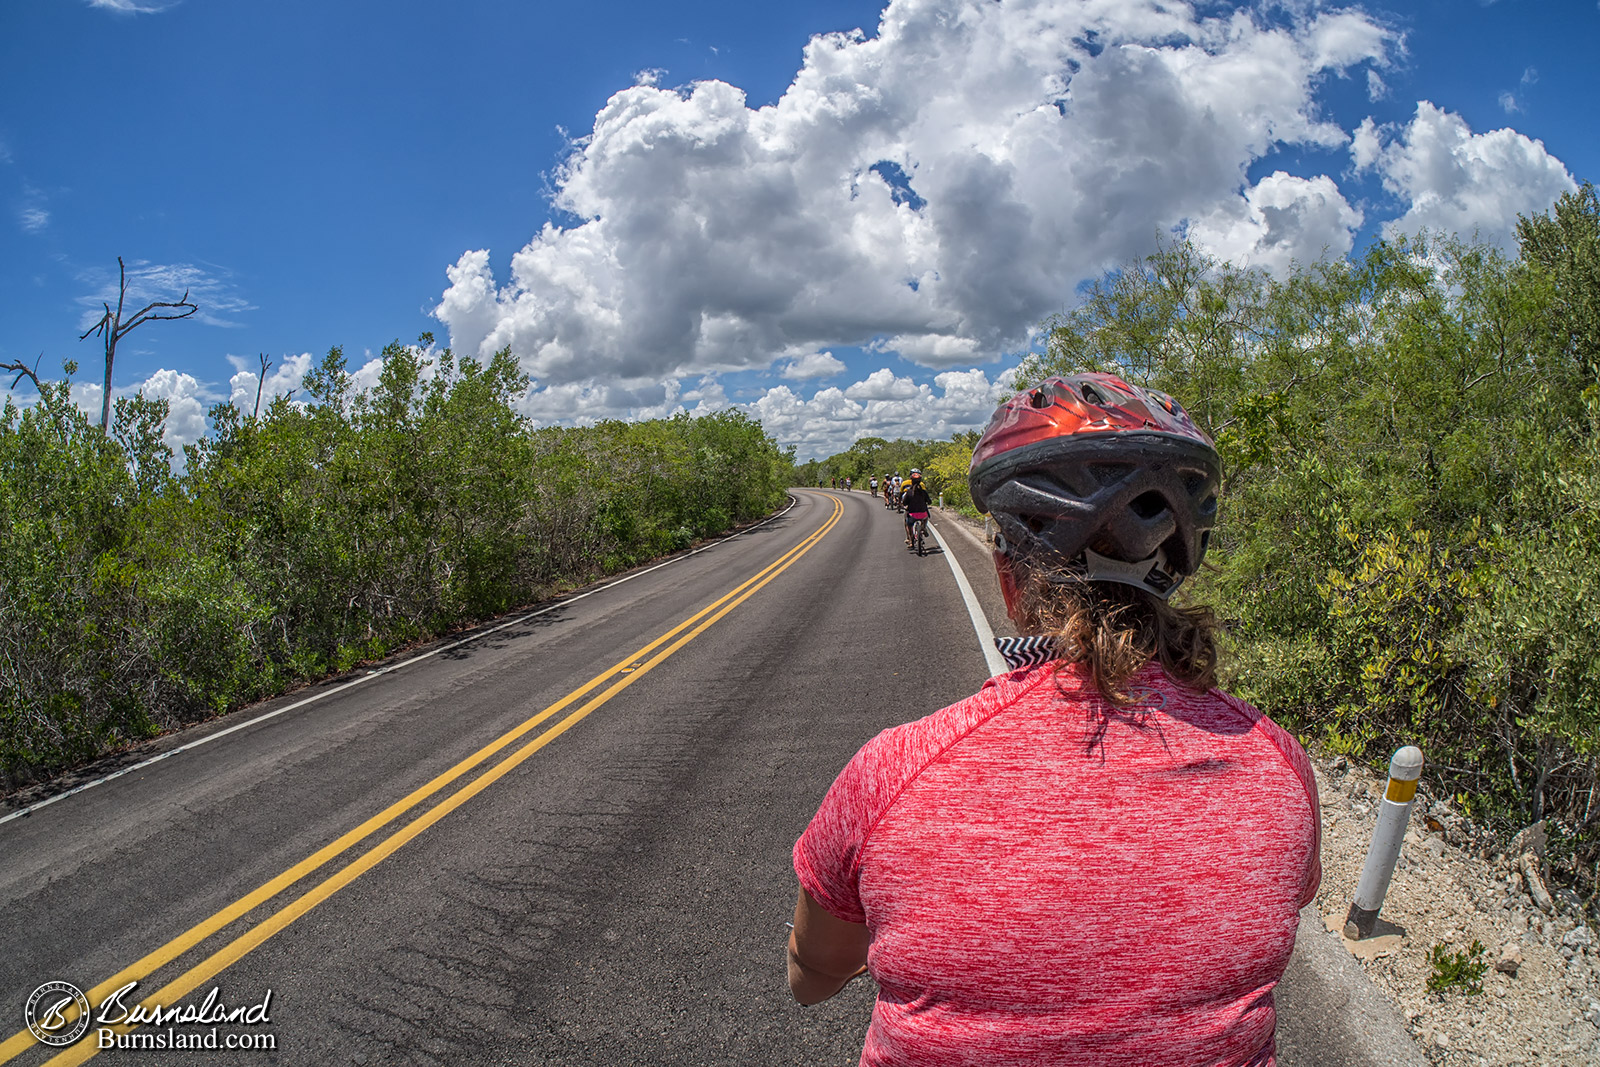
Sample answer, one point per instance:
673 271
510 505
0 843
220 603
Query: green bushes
314 537
70 501
1409 549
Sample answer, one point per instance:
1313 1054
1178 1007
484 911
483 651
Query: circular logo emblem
46 1014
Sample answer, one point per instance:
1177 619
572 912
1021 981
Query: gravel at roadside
1543 1007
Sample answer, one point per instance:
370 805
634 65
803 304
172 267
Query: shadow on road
499 639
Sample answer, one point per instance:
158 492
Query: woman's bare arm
824 952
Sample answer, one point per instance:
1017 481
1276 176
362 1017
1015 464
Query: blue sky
352 173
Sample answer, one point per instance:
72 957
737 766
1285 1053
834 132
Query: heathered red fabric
1049 880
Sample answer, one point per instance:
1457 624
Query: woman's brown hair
1113 630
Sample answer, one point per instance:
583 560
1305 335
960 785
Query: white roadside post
1394 812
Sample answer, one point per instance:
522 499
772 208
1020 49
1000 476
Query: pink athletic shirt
1050 880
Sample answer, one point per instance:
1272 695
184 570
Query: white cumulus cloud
933 350
187 401
1366 144
1459 182
935 189
880 406
882 384
1281 220
813 365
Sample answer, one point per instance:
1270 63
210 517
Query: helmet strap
1152 575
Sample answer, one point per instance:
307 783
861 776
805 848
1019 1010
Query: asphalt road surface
565 841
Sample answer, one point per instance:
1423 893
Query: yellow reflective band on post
1401 792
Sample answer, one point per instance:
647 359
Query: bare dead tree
113 329
261 379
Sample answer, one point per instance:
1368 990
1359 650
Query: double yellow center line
620 676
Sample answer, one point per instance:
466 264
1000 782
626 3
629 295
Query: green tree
1563 245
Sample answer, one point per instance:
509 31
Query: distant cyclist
916 500
872 483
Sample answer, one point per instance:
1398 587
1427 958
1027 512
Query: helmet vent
1035 523
1148 505
1091 394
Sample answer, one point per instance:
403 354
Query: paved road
608 887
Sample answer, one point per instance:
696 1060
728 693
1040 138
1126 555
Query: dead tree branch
24 371
261 379
112 329
49 404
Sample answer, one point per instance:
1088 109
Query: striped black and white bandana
1026 651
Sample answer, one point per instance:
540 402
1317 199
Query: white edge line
980 622
31 808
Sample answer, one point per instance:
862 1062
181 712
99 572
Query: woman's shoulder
1258 721
899 753
1226 714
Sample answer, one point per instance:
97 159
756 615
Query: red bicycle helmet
1113 480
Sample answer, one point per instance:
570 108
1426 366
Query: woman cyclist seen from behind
916 501
1099 858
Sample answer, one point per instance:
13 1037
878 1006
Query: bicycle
919 530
